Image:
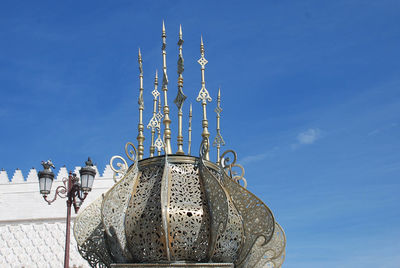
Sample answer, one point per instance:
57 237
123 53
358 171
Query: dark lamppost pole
74 191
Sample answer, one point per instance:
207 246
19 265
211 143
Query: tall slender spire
180 97
218 141
159 144
190 130
167 120
204 96
140 138
154 122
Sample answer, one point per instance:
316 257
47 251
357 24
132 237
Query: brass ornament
180 97
218 141
179 208
190 130
90 237
204 96
258 219
154 122
217 200
167 120
140 138
159 144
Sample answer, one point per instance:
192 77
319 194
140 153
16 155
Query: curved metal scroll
269 255
258 219
274 254
131 153
122 167
113 213
89 235
229 166
217 200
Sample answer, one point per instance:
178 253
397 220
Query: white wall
32 233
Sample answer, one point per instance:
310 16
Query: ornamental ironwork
179 208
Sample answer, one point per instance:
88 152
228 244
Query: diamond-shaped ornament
180 99
202 61
155 93
159 117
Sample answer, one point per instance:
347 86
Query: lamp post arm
61 191
77 192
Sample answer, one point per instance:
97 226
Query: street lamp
74 191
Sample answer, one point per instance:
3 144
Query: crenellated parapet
31 176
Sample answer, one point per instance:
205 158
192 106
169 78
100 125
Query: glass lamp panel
49 182
42 182
84 181
45 184
90 181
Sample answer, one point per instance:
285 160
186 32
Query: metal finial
180 97
159 144
190 130
218 141
167 120
204 96
163 28
140 138
154 122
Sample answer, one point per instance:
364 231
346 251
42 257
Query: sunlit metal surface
173 210
180 208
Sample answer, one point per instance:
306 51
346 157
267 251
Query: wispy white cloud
382 129
307 137
258 157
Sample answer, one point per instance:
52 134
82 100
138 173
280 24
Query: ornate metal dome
177 208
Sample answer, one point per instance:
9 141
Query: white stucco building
32 233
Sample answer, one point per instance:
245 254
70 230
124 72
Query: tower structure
179 210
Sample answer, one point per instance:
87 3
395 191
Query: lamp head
46 177
87 176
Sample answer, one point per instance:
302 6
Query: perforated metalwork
165 197
143 226
217 203
180 208
229 241
188 214
267 254
89 235
257 217
113 213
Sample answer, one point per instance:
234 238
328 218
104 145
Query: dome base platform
173 265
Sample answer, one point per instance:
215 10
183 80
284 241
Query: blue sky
310 92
